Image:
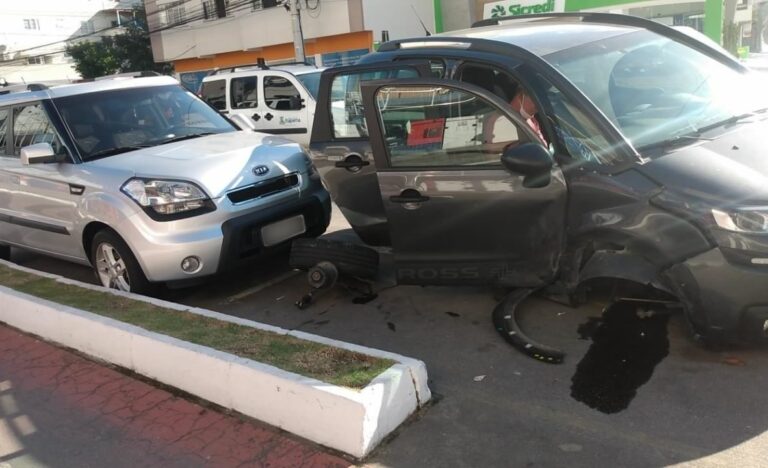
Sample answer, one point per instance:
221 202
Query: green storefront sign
713 9
517 9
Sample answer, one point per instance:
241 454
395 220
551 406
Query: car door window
280 94
31 126
347 112
244 92
577 134
3 132
434 126
214 93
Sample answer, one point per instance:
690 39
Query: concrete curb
351 421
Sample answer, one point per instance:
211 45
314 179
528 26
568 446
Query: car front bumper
221 239
723 299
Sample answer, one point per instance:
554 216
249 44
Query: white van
280 100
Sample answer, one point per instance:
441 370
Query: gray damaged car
542 152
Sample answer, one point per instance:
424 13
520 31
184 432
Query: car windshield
106 123
311 81
655 89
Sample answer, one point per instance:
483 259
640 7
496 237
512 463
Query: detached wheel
115 265
5 252
350 259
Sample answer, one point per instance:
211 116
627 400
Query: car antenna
420 21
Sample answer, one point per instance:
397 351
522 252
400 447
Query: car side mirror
243 122
531 160
40 153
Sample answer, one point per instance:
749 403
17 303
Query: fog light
191 264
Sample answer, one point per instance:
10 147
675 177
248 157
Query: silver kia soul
147 183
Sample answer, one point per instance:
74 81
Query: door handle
223 112
269 116
256 117
352 162
409 196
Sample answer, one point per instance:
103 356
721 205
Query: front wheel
115 265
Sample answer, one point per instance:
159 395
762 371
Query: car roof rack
36 87
261 63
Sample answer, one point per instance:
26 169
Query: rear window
245 92
215 94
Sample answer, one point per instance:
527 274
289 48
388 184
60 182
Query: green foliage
94 59
127 52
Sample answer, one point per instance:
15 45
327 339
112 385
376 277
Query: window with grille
31 23
174 13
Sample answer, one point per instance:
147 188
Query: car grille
263 189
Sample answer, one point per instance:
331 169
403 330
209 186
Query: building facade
198 36
34 35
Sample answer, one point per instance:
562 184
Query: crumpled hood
217 163
731 170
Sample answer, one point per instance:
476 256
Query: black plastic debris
505 321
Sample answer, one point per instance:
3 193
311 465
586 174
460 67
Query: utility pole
298 35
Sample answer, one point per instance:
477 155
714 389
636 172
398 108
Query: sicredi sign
521 7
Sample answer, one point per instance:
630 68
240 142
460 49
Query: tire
5 252
127 275
350 259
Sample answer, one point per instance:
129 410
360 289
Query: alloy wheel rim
111 268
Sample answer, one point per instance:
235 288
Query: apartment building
35 33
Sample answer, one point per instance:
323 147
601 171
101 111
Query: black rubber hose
505 321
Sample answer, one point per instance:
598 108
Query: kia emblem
260 170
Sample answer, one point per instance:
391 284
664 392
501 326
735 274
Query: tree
94 58
127 52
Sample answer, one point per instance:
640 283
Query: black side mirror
531 160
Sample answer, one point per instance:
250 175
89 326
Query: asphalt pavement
634 390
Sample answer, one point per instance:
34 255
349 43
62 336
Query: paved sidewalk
58 409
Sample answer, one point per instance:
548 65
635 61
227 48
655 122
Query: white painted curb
351 421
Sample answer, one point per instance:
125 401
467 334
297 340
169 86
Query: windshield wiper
695 134
674 141
113 151
188 136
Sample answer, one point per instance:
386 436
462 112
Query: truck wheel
5 252
350 259
115 265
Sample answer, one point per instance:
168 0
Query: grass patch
333 365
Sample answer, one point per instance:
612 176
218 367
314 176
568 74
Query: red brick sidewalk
58 409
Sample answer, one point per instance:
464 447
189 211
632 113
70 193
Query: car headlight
753 221
168 198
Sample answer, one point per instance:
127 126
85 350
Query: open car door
455 214
340 146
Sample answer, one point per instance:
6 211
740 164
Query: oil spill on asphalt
630 339
587 330
364 299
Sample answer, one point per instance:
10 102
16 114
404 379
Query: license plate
281 231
